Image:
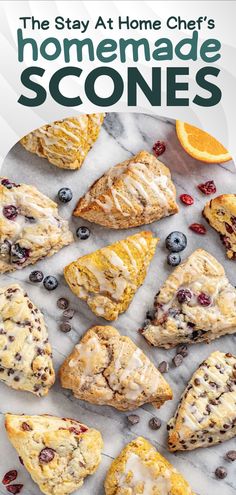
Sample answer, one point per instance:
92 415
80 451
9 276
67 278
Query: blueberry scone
65 143
107 368
140 469
220 212
59 453
30 226
25 354
196 304
206 414
135 192
108 278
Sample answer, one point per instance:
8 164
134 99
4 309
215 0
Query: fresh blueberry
83 233
173 259
36 276
176 241
65 194
10 212
50 282
19 254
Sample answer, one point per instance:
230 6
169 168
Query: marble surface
122 135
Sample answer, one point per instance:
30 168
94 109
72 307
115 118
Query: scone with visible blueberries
206 414
25 353
140 469
107 368
30 226
65 143
197 303
220 212
59 453
135 192
108 278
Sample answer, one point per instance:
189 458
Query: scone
135 192
65 143
59 453
220 212
25 354
196 304
141 470
30 226
206 414
107 279
108 369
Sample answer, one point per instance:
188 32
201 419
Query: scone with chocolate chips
135 192
59 453
106 368
196 304
220 212
206 414
140 469
65 143
25 354
108 278
30 226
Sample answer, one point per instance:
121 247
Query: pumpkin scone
220 212
30 226
197 303
135 192
25 354
65 143
108 369
108 278
206 414
59 453
140 469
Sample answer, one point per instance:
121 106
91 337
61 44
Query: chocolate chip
177 360
46 455
133 419
183 350
62 303
221 473
65 327
231 455
163 367
68 313
154 423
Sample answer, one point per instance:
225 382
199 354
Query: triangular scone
139 468
196 304
65 143
207 413
107 279
135 192
220 212
25 354
108 369
59 453
30 226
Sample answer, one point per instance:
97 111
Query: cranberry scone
108 369
140 469
30 226
135 192
65 143
108 278
59 453
220 212
206 414
197 303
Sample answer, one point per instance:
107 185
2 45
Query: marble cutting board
121 136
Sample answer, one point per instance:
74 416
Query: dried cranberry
225 241
46 455
9 476
198 228
10 212
184 295
77 431
186 199
14 488
208 187
7 183
204 299
159 148
229 228
21 461
26 427
233 220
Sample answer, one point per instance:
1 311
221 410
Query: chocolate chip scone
107 368
206 414
65 143
30 226
59 453
140 469
108 278
196 304
220 212
135 192
25 354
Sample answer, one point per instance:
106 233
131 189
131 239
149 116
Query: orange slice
201 145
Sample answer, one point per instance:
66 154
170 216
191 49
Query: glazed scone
59 453
141 470
196 304
65 143
206 414
108 369
220 212
135 192
25 354
30 226
108 278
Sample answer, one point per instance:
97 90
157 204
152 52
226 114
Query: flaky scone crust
220 213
